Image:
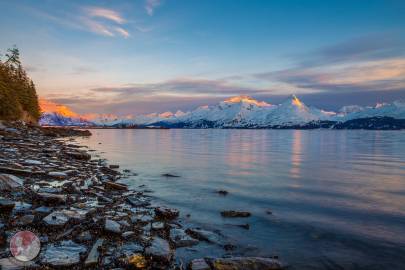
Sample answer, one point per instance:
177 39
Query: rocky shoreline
83 216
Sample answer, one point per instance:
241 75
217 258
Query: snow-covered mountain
395 110
244 111
235 112
54 114
57 119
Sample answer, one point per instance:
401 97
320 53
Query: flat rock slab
116 186
181 238
159 250
43 210
129 249
158 226
112 226
22 207
63 254
6 205
137 201
10 182
199 264
166 213
78 155
94 255
58 175
14 264
204 235
244 263
51 199
56 218
24 220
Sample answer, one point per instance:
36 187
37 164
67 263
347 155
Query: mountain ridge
242 112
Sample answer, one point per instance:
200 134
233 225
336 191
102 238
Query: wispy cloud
151 5
97 20
122 32
363 64
104 21
105 13
181 87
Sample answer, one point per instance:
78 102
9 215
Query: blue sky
141 56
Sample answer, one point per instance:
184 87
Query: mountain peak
293 100
246 99
48 106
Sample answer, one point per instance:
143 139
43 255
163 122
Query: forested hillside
18 98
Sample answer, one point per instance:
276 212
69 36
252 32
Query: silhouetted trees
18 97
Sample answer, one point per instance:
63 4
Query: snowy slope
395 110
235 112
244 111
57 119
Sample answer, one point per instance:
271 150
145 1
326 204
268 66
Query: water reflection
334 194
296 152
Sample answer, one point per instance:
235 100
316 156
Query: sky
143 56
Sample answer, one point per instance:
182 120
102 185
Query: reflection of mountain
246 112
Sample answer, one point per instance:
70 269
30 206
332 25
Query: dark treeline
18 97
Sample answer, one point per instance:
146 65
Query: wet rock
137 201
204 235
116 186
56 219
32 162
21 207
76 214
58 175
10 182
63 254
19 172
166 213
243 263
112 226
78 155
6 205
199 264
137 261
43 210
181 239
128 234
269 212
24 220
94 255
52 190
84 236
233 214
51 199
129 249
169 175
158 226
112 166
222 192
159 250
14 264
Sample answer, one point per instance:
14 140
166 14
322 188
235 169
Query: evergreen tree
18 97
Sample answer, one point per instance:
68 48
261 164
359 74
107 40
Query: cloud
181 87
108 14
363 64
97 20
151 5
364 48
122 32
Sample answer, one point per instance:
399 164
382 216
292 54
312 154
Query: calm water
337 197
